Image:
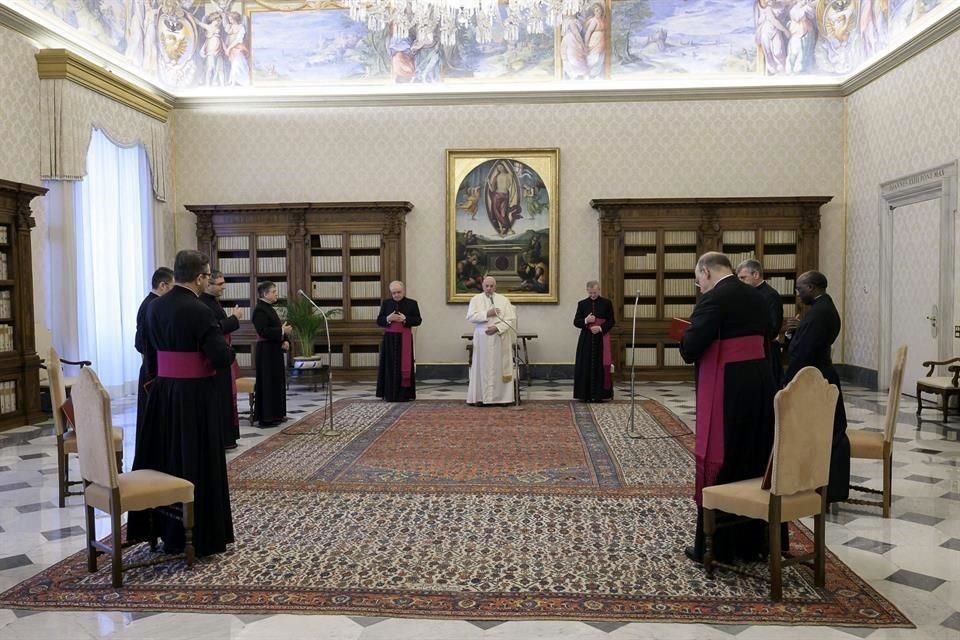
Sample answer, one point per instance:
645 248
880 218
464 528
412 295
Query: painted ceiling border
91 69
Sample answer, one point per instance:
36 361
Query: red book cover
678 326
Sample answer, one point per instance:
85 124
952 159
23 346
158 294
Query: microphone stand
516 366
632 429
328 430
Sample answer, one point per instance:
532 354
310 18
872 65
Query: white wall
607 150
906 121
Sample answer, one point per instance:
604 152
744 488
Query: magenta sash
406 351
183 364
607 353
710 380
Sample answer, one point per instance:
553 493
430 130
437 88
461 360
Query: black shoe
691 554
230 447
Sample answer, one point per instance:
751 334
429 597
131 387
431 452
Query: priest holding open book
735 392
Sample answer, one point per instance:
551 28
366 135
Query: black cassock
229 421
181 429
590 376
389 384
810 347
733 310
148 367
271 385
775 318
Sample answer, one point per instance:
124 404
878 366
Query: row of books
236 291
363 359
271 243
365 312
789 310
677 310
643 311
321 289
780 236
327 264
640 263
244 360
640 238
646 287
328 241
4 275
4 234
780 261
737 258
233 243
679 238
8 396
679 287
365 289
739 237
365 241
6 306
680 261
783 286
231 266
641 356
365 264
272 265
6 337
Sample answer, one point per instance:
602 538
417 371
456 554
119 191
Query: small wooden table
523 356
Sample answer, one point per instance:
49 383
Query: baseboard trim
460 372
857 375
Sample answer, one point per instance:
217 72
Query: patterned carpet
435 509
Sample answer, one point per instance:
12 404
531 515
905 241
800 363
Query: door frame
936 183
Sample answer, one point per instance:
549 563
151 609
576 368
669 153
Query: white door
916 286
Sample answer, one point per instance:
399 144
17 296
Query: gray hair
592 283
751 265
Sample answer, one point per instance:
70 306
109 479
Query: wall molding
60 64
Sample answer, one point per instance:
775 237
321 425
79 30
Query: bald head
489 285
711 267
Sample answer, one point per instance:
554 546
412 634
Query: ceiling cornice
60 64
916 45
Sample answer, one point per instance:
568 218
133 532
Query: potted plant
307 323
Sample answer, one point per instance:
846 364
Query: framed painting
503 221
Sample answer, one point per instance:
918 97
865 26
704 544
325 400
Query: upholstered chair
66 437
116 493
799 472
879 446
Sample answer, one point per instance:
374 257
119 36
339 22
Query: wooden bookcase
649 248
19 362
342 254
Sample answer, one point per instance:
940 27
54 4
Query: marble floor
913 558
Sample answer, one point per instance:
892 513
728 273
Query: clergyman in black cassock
160 284
592 378
226 378
751 272
808 345
272 341
396 379
735 420
181 429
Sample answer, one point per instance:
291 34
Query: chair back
91 405
893 397
804 412
58 390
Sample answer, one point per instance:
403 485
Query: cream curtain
68 115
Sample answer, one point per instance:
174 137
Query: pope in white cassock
494 334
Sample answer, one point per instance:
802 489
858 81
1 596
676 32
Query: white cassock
491 371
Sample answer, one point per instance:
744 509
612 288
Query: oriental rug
436 509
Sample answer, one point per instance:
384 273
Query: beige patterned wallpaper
607 150
20 160
907 121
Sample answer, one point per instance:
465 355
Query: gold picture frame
502 212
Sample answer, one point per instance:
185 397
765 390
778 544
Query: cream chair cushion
746 498
246 385
142 489
937 382
866 444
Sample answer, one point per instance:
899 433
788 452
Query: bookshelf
649 248
19 362
342 254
